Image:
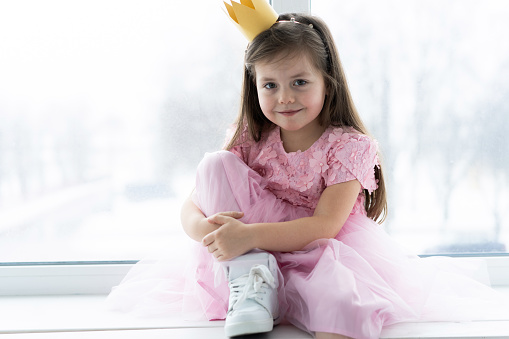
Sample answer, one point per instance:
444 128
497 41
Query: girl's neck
300 140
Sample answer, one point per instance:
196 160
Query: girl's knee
216 160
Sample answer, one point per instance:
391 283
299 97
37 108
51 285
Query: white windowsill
84 316
67 301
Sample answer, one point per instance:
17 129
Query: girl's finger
236 214
207 240
218 219
233 214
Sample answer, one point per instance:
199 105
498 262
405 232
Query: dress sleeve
353 158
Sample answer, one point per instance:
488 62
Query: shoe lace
252 285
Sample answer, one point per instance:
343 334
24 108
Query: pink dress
353 284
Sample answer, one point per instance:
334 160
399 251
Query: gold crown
251 16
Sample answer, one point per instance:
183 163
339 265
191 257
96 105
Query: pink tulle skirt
353 284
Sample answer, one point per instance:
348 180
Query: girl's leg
225 183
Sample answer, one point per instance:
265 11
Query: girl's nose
286 97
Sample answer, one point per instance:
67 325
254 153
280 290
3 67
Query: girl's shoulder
341 137
352 155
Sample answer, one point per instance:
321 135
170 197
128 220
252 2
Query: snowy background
106 107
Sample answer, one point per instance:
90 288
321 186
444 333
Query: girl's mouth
289 113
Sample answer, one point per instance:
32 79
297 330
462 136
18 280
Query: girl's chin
291 128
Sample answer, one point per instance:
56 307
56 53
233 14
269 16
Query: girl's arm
234 238
334 207
195 223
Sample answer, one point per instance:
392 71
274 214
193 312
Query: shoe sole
233 330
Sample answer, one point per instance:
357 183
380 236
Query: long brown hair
287 39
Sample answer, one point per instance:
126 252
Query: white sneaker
253 305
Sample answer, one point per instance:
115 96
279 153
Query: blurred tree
491 141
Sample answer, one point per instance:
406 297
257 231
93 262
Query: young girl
289 209
302 180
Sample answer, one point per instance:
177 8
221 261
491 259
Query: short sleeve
353 158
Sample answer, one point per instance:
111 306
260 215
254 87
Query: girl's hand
233 214
231 239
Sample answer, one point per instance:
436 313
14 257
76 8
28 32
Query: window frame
61 278
86 278
295 6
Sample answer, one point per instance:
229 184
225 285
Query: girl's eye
300 82
269 85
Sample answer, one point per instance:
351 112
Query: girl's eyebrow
304 74
265 79
298 75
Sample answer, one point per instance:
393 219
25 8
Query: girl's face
291 93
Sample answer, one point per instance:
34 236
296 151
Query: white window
106 107
429 79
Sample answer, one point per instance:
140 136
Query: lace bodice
339 155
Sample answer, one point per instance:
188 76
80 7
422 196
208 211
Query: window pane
106 108
430 80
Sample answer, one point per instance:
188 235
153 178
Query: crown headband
251 16
292 20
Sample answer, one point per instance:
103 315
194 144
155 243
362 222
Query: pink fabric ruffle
353 284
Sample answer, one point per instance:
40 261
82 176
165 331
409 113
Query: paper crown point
251 16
